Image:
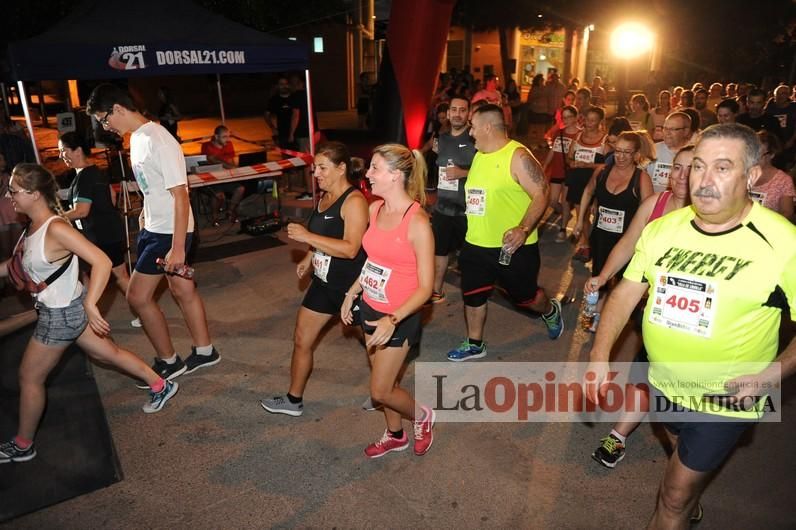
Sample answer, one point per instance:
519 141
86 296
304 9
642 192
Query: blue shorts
61 326
152 246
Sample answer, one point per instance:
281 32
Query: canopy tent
111 39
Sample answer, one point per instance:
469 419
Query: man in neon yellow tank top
719 275
506 195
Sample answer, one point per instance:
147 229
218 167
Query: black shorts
323 299
114 251
480 270
407 330
449 232
152 246
704 445
575 189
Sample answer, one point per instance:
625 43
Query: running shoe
610 452
164 370
696 517
386 444
196 361
158 399
467 352
582 254
424 433
555 322
370 406
282 405
11 452
306 196
437 297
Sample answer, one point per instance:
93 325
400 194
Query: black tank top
608 204
329 223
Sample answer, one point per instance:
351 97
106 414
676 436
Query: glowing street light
628 41
631 39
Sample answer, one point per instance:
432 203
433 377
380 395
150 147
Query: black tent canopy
105 39
111 39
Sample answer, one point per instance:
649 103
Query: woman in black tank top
619 190
334 258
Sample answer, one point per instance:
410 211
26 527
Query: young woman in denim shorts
67 312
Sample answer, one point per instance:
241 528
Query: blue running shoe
554 323
467 352
158 399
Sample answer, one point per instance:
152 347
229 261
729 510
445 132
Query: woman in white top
49 252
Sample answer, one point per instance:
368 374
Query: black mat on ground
74 444
242 246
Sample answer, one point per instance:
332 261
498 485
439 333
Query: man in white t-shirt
167 226
676 132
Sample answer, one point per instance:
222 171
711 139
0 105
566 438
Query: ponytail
412 164
416 182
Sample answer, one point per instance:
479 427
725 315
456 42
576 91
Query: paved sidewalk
214 459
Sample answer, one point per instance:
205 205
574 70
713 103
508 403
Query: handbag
20 278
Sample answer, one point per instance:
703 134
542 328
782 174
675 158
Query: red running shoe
386 445
424 436
582 254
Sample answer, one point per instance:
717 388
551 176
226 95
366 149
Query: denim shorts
61 326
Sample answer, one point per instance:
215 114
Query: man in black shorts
506 196
449 222
720 276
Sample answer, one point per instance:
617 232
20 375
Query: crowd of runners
691 199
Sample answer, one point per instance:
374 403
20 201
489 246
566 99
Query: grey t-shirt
461 150
660 169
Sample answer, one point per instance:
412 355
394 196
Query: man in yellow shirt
719 275
506 194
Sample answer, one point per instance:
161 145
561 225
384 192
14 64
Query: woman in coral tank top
396 280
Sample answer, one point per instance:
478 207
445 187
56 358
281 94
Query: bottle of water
505 255
590 303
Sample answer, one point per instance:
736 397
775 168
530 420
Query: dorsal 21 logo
127 58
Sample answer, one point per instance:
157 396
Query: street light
628 41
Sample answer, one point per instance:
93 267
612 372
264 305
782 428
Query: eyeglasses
627 152
104 120
674 129
11 192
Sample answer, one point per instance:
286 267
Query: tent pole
23 98
220 99
311 124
